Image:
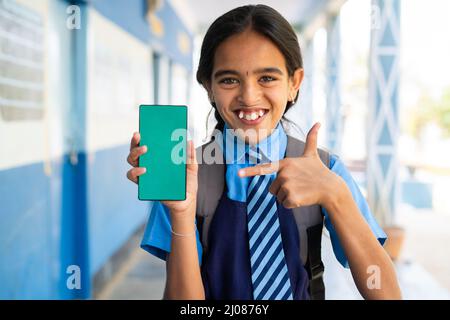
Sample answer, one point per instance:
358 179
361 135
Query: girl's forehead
248 51
246 39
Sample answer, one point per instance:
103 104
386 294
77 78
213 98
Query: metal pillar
383 124
333 114
306 89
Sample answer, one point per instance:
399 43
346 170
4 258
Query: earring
207 124
293 97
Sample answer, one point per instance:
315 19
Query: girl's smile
251 116
250 84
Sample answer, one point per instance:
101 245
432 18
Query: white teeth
251 116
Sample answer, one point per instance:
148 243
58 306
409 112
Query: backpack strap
211 185
314 264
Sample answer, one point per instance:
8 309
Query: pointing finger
259 170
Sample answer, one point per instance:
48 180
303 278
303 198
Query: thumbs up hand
301 181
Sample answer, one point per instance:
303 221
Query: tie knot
253 154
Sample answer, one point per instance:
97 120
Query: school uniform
225 267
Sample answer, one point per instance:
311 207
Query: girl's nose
249 94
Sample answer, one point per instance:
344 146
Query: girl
259 241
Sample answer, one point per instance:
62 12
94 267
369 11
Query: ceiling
199 14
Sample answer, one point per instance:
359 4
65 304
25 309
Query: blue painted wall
114 210
131 16
43 231
83 211
29 232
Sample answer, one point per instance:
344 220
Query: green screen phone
163 130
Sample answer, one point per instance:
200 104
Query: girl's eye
229 81
267 79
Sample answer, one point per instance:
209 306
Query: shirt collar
270 149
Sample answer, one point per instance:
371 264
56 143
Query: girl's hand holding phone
178 209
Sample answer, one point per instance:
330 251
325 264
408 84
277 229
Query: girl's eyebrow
220 73
269 70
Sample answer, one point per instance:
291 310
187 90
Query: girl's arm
184 280
367 258
306 181
182 266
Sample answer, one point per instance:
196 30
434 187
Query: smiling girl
251 229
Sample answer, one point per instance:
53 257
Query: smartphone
163 129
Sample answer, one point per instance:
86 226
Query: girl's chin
260 127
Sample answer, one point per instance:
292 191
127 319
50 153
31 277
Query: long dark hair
260 18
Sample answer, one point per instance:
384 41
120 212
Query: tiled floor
144 279
415 282
427 241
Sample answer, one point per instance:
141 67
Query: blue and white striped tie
270 276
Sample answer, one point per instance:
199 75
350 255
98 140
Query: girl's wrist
183 226
183 222
336 192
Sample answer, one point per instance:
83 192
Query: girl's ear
295 81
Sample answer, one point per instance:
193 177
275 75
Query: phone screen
163 129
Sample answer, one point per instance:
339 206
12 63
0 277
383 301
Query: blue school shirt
157 235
